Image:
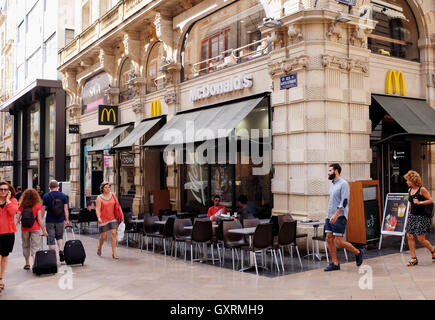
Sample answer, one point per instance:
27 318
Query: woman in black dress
418 223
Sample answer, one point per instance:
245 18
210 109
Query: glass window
33 132
195 187
49 126
396 32
155 78
127 74
67 135
127 187
227 37
20 135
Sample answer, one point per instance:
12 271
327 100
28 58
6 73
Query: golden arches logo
108 115
156 108
396 79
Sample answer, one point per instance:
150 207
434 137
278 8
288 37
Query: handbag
428 210
118 213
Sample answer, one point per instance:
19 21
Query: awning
415 116
108 138
141 129
209 123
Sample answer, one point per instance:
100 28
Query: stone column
75 112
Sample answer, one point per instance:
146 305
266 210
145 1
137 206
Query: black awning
415 116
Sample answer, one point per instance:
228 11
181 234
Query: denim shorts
338 228
55 232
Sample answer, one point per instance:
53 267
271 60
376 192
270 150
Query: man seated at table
217 210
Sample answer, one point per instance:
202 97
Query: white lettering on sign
230 85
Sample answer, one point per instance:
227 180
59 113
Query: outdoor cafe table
315 225
160 222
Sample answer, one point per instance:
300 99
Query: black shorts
7 241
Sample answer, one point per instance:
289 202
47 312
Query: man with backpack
57 218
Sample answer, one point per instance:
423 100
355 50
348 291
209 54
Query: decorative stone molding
344 63
333 32
277 36
69 83
164 32
112 95
139 84
74 111
431 79
107 62
170 71
138 107
358 37
132 48
294 33
171 97
288 65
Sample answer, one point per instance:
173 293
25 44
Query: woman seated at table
216 210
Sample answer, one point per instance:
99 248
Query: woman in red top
106 217
31 237
7 228
13 193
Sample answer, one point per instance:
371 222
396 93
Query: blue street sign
289 81
348 2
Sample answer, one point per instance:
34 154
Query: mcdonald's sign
107 115
396 79
156 108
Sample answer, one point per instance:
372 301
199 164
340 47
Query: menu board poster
395 213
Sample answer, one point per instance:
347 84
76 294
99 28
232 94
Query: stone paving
147 275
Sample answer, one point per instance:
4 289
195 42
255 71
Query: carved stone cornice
171 97
132 47
358 37
170 71
138 107
333 32
164 33
69 83
345 63
107 61
294 33
287 65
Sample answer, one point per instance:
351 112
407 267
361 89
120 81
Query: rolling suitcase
73 251
45 261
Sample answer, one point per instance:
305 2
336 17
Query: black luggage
73 251
45 261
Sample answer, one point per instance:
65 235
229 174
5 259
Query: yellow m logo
156 108
108 114
396 78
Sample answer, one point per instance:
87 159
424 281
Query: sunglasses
3 189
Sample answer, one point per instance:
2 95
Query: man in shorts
55 223
336 221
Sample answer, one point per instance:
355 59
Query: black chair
250 223
202 233
130 226
181 234
232 241
150 229
262 240
218 237
168 232
323 238
287 237
288 218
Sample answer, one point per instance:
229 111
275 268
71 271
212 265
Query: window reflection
127 74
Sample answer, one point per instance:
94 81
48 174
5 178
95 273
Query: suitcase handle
72 231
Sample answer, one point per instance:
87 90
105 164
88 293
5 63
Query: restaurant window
33 132
229 36
127 74
396 32
93 92
155 78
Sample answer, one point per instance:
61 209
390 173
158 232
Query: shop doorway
32 178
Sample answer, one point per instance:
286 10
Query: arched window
155 78
226 37
126 90
396 31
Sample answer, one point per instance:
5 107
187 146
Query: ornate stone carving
132 48
358 37
333 32
171 97
431 79
74 111
277 38
164 33
288 65
138 107
344 63
69 83
294 33
170 71
107 61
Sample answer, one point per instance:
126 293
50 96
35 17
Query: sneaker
359 258
61 256
332 267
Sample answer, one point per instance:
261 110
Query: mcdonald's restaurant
326 92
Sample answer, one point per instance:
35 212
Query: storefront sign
106 161
348 2
74 129
107 115
93 91
156 108
395 215
6 163
208 90
127 160
396 79
289 81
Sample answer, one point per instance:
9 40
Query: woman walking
7 228
12 193
30 233
105 203
418 223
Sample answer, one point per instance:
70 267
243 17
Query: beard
332 176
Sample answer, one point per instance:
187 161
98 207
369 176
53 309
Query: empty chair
150 229
201 234
262 240
287 237
323 238
168 232
218 237
232 241
288 218
181 234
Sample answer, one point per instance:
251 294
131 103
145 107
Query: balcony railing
232 57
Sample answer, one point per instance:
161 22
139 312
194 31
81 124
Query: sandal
2 286
99 252
115 257
433 256
412 262
27 267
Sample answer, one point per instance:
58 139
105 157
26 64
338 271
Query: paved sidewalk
144 275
